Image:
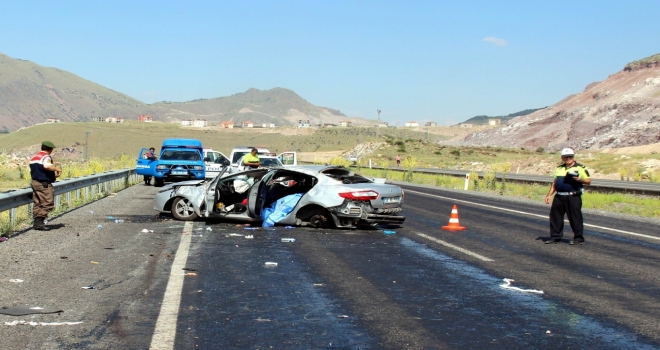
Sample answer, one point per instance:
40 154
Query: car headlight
161 167
198 167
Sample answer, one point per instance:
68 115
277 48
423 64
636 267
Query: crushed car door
145 165
211 192
288 158
257 194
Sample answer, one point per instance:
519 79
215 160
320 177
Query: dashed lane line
535 215
449 245
165 332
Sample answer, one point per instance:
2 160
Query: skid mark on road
534 215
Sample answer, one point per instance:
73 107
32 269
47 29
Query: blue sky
443 61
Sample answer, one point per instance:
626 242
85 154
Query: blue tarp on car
279 210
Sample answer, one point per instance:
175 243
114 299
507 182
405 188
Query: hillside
483 119
621 111
30 94
278 105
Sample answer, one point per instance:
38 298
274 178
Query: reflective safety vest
564 181
37 170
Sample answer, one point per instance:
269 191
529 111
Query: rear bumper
384 219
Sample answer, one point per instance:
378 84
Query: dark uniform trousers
570 205
43 198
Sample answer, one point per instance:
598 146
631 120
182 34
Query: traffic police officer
569 179
43 173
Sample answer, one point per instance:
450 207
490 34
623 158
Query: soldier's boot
40 225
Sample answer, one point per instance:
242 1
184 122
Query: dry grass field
432 148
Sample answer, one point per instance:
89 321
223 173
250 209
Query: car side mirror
226 162
207 159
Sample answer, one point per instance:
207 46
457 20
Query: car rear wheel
182 209
315 217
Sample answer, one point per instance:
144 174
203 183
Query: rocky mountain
621 111
30 94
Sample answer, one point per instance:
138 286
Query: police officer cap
48 144
567 152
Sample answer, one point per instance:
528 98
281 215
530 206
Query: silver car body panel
320 186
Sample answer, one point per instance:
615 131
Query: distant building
200 123
345 123
247 124
383 125
494 121
466 125
98 119
145 118
114 120
412 124
267 125
53 120
430 124
186 122
227 125
303 123
328 125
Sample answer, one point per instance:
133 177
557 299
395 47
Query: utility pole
378 125
86 142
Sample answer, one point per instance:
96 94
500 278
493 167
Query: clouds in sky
495 41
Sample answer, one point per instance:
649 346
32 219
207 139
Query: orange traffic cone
453 224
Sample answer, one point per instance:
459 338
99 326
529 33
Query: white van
215 161
239 151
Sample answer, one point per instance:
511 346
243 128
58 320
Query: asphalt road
421 288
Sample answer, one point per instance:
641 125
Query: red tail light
360 195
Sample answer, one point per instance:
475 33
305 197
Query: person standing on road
251 159
570 177
151 155
398 160
43 173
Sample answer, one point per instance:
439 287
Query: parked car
240 151
265 161
318 196
215 161
179 159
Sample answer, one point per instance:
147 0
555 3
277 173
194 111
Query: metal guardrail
652 188
82 187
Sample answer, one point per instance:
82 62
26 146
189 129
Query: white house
494 121
200 123
227 125
267 125
345 123
247 124
412 124
303 123
53 120
466 125
383 125
187 122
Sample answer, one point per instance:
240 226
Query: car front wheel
182 209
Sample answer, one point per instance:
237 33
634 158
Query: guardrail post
467 181
369 163
12 216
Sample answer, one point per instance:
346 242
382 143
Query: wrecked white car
318 196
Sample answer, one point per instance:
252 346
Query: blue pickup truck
180 159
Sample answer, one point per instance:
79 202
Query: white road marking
165 331
536 215
449 245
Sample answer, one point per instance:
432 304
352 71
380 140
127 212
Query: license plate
387 200
179 172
